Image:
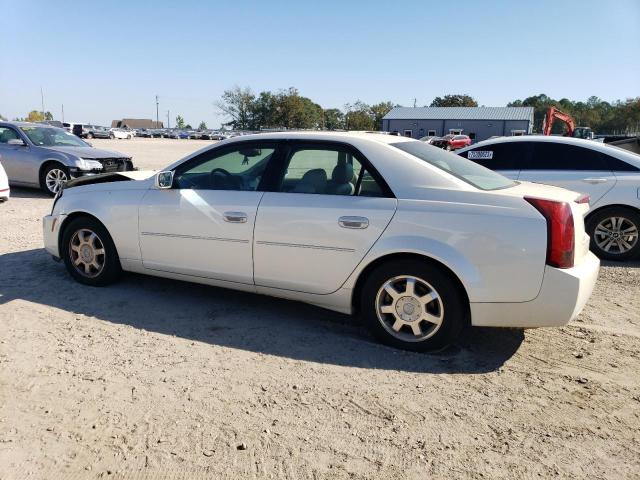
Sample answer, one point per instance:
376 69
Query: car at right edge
609 175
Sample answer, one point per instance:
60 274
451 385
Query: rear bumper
5 193
562 297
50 231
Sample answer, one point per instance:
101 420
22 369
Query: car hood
87 152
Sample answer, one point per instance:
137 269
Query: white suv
609 175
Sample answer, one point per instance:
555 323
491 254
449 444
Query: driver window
239 168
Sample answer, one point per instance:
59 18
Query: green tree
378 111
36 116
238 104
456 100
180 122
333 119
202 126
358 116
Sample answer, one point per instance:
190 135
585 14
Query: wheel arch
50 161
612 206
69 218
359 284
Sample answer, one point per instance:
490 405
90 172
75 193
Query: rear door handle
353 222
595 180
235 217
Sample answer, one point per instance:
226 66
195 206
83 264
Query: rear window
500 156
472 173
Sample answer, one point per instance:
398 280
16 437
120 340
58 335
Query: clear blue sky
108 59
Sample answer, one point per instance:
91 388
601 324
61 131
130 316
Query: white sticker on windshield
480 154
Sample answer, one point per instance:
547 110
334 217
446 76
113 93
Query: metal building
479 123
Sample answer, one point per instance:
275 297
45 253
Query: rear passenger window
7 134
500 156
560 156
328 171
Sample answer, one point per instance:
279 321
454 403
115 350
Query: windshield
472 173
52 137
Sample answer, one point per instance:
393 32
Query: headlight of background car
84 164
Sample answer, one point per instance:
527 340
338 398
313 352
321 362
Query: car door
16 157
577 168
203 225
506 158
328 209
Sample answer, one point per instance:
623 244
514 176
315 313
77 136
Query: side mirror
164 180
16 141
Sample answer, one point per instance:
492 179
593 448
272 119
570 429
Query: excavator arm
554 114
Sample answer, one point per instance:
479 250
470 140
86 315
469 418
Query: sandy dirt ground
153 378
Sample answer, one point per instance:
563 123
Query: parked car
92 131
143 133
74 127
36 155
122 133
416 240
452 142
5 192
609 175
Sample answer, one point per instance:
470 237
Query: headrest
342 173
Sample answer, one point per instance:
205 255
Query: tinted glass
560 156
500 156
470 172
240 168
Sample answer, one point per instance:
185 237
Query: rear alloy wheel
89 135
53 178
412 306
448 148
89 252
614 233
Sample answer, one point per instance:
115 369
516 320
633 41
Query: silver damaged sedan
42 156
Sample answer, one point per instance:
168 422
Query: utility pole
63 113
157 114
168 121
42 99
415 100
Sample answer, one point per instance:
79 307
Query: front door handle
235 217
595 180
353 222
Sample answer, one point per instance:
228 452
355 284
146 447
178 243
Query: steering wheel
229 179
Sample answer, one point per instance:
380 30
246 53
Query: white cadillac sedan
4 184
415 240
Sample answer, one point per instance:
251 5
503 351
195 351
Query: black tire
89 135
44 173
111 269
112 136
452 306
448 148
599 240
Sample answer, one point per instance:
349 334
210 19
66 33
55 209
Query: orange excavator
572 131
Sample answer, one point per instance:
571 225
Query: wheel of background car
412 305
128 137
89 135
112 136
89 252
614 233
448 148
53 177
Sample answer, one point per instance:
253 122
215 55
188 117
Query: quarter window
236 168
328 171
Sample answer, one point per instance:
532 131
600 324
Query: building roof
460 113
136 123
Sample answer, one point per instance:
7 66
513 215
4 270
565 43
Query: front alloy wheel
53 178
89 253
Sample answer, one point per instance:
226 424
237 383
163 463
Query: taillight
560 231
